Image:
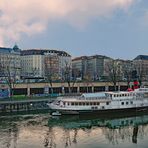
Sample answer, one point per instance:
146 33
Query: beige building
32 64
42 62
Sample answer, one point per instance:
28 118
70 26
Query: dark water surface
44 131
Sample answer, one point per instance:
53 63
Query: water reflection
44 131
114 129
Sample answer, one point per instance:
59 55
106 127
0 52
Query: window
94 103
91 103
131 102
107 103
98 103
126 103
72 103
76 103
122 103
80 103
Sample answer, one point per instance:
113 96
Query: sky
115 28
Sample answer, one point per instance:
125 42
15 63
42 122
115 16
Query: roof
43 51
93 95
5 50
141 57
15 49
91 57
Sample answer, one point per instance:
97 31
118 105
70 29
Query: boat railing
93 98
69 97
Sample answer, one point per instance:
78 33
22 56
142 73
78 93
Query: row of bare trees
10 72
116 70
125 70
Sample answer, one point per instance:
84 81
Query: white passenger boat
104 102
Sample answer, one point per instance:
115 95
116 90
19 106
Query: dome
16 48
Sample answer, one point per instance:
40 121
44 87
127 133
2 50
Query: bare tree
10 73
127 69
51 70
139 68
113 69
67 74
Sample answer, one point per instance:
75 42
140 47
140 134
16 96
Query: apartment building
141 66
41 62
91 67
32 63
10 62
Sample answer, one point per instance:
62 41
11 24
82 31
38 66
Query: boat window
80 103
122 103
94 103
126 103
63 103
131 102
122 95
107 103
83 103
76 103
98 103
72 103
87 103
91 103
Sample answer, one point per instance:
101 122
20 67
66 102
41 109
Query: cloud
30 17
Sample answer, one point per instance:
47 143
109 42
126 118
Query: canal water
44 131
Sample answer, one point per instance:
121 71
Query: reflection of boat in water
75 122
104 102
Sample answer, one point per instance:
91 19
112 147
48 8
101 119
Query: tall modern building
42 62
90 67
10 62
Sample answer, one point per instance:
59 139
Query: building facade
42 63
10 65
90 67
141 67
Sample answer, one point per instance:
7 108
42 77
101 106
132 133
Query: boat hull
103 111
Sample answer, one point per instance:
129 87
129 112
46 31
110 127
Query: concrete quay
24 105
